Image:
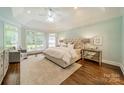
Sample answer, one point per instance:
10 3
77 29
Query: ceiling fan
51 14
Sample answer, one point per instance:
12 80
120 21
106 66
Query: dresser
17 55
4 63
92 54
14 56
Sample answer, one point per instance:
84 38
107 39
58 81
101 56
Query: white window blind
52 40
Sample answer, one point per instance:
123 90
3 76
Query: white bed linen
63 53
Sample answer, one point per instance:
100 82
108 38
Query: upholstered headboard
78 44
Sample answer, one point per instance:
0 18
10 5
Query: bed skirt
60 62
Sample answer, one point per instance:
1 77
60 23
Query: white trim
35 51
112 62
122 68
121 65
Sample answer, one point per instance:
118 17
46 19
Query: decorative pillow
78 46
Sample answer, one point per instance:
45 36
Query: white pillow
71 46
63 45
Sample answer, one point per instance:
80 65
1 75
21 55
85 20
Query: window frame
15 29
54 40
35 40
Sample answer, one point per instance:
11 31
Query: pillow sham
71 46
63 45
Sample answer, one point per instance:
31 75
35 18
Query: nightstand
92 54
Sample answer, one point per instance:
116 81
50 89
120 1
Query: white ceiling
65 19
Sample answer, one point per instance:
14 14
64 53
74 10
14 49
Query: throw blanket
63 53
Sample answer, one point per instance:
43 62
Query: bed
64 56
61 62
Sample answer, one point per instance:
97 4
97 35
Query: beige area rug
40 71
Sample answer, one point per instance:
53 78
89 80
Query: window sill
35 51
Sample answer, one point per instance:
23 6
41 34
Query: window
10 36
35 40
52 40
39 40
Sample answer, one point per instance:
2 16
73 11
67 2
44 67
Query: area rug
37 70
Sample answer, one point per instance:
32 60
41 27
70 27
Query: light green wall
123 39
1 35
7 16
110 30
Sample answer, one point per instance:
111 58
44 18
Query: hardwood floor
92 74
13 75
89 74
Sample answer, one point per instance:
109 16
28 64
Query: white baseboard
112 63
119 64
122 68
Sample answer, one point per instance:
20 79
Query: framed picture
98 40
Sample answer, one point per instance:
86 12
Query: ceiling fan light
49 13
